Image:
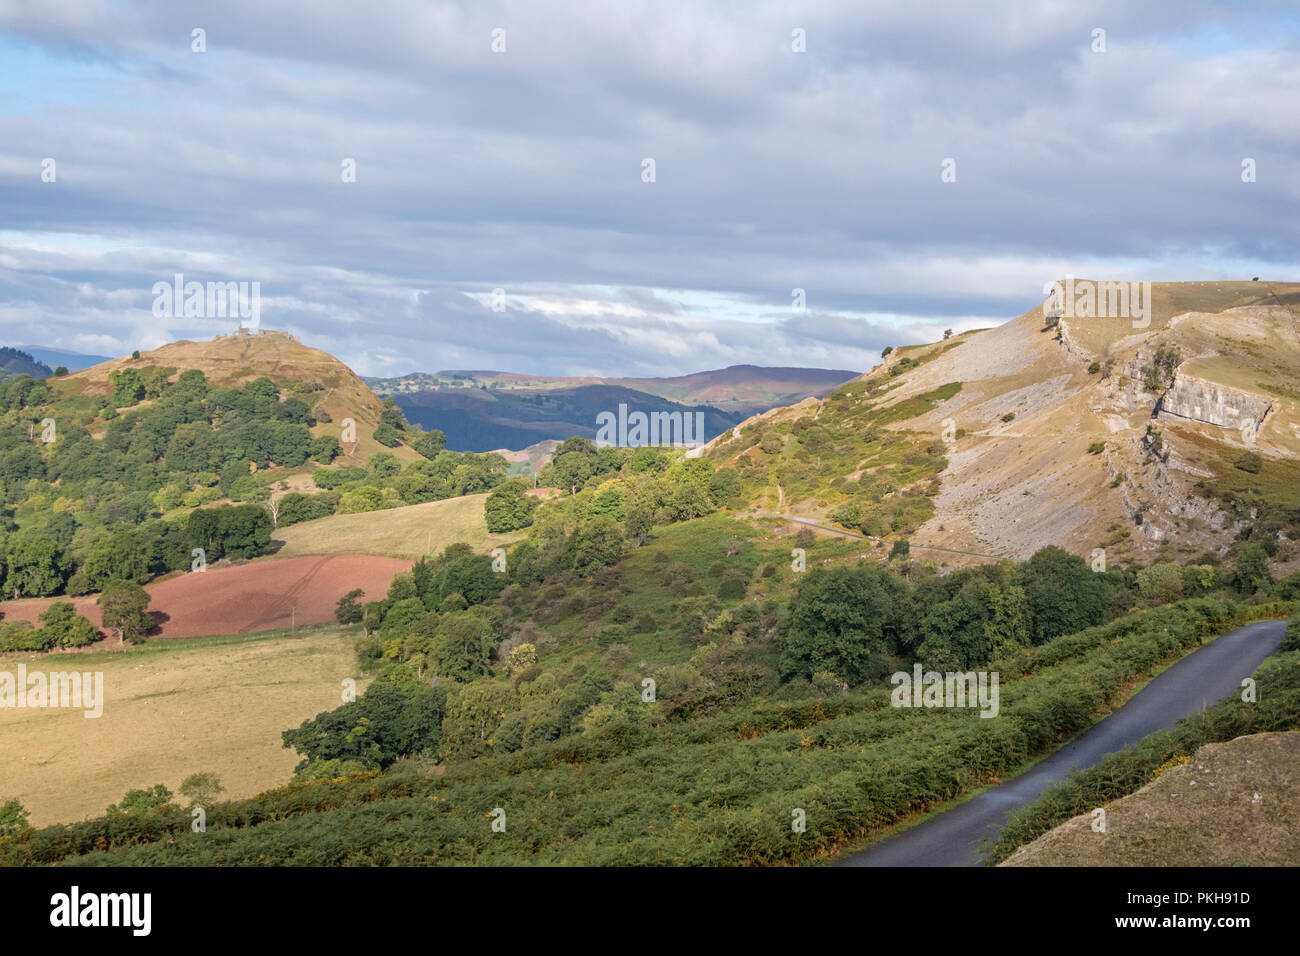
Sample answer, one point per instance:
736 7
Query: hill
129 468
73 361
1078 431
481 410
16 362
1229 804
333 391
481 419
744 389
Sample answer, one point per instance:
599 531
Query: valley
1074 506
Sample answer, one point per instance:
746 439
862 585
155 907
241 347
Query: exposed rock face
1205 401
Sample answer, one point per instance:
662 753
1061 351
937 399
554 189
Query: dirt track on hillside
257 596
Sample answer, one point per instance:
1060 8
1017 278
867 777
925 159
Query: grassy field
172 708
398 532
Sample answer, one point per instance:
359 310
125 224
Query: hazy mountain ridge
18 362
481 410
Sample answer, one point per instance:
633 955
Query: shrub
1250 462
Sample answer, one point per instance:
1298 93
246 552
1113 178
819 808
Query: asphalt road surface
1201 679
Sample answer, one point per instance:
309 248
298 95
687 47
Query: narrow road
1201 679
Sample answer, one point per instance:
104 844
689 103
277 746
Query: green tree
1251 569
64 627
842 620
128 387
597 543
474 712
203 789
123 606
384 465
142 801
13 818
430 443
348 610
463 646
572 469
387 435
1066 595
509 508
36 566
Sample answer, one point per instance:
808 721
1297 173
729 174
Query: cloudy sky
524 170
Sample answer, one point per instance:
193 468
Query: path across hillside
864 537
1201 679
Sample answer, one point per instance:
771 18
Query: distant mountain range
74 361
486 410
39 362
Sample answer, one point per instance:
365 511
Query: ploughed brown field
258 596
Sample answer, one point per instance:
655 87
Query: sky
504 146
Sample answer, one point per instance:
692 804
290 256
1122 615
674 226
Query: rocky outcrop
1071 347
1201 400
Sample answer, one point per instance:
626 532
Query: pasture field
172 708
407 532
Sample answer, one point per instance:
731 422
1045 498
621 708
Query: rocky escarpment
1204 401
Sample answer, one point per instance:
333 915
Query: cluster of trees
509 507
122 606
865 622
385 483
62 556
637 488
61 626
716 790
194 444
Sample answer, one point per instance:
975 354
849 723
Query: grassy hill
123 470
1057 434
1228 804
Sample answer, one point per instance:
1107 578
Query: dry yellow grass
1232 804
172 708
398 532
